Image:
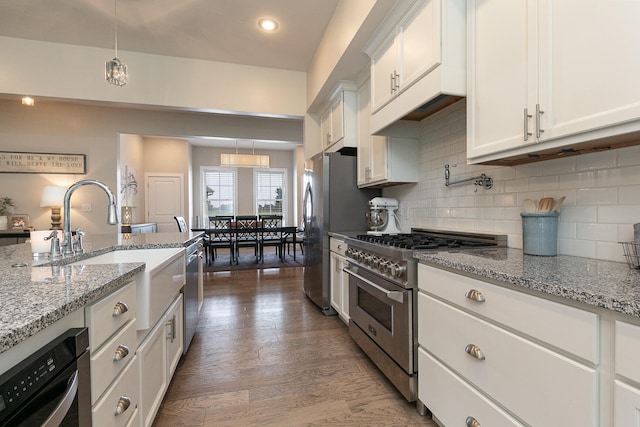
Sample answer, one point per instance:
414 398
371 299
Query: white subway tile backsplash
597 196
601 160
629 195
577 180
602 192
600 232
628 156
629 175
619 214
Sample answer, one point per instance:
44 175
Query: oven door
384 312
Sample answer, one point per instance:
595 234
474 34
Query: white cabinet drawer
626 406
569 328
437 385
515 371
337 246
108 315
104 366
126 387
627 348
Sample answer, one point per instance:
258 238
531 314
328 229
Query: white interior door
164 200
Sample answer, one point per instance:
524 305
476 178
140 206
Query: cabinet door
364 151
325 129
152 357
336 279
588 65
344 286
626 405
174 335
419 40
499 62
337 119
384 73
379 158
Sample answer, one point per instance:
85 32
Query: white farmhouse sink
156 287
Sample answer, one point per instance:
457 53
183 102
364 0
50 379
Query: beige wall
59 127
170 82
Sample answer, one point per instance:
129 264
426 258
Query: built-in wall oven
51 387
383 286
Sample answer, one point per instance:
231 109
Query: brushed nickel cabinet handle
123 404
474 351
472 422
527 116
392 82
121 352
396 79
120 308
539 113
172 324
475 295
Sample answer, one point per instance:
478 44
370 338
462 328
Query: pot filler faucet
112 217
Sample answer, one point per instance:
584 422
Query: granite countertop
35 293
606 284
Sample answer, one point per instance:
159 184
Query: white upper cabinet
550 76
383 161
416 57
338 127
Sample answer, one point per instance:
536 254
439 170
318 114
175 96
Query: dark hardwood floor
264 355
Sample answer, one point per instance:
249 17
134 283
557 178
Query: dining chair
182 224
246 234
299 239
271 235
222 238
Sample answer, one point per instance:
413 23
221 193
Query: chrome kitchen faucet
112 217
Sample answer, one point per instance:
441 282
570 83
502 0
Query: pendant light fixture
244 160
115 72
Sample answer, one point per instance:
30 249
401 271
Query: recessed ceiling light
268 24
28 101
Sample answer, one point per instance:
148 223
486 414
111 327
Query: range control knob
397 270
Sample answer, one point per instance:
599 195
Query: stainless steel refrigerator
332 202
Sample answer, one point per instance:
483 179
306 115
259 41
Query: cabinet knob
475 295
474 351
472 422
121 307
121 352
123 404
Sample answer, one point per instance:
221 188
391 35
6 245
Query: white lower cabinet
158 356
494 352
438 384
118 405
339 279
112 345
627 386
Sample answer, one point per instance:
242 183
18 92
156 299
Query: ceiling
215 30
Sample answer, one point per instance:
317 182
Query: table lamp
53 197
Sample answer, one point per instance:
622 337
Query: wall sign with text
18 162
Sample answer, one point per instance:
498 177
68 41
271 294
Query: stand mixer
382 217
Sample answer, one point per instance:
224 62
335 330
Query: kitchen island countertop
37 293
605 284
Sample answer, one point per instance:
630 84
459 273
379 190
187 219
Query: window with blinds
219 191
270 191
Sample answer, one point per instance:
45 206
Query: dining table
285 232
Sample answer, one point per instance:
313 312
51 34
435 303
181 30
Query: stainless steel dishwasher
190 292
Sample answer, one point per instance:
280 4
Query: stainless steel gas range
383 285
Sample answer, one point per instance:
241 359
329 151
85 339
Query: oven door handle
58 414
394 295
